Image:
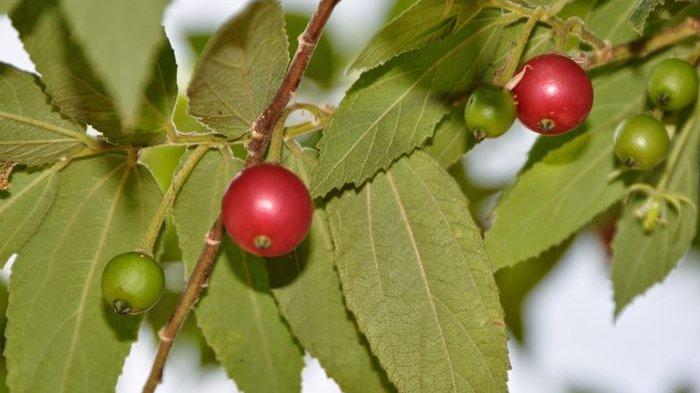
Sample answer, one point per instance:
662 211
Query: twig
579 30
261 133
645 46
195 284
262 128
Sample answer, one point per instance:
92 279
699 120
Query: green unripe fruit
641 142
490 112
132 283
673 84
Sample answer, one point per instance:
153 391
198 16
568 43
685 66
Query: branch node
164 337
212 242
255 134
303 40
327 108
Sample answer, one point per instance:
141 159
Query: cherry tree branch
645 46
261 133
263 127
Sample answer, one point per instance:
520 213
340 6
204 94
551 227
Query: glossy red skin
553 87
268 200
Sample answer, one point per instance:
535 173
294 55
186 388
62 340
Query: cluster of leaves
395 288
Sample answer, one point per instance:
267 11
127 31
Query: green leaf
399 7
416 276
31 133
240 70
641 12
121 39
451 139
23 208
307 290
517 282
79 91
423 23
642 259
198 41
183 121
610 20
569 186
393 109
238 314
61 335
155 116
3 323
6 5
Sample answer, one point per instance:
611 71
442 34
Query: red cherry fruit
554 95
267 210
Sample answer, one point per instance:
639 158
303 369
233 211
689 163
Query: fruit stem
645 46
274 154
561 35
322 116
261 133
304 128
169 197
316 111
577 29
506 71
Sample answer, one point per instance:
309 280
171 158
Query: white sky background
573 342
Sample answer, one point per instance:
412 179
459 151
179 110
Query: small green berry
673 84
132 283
642 142
490 112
